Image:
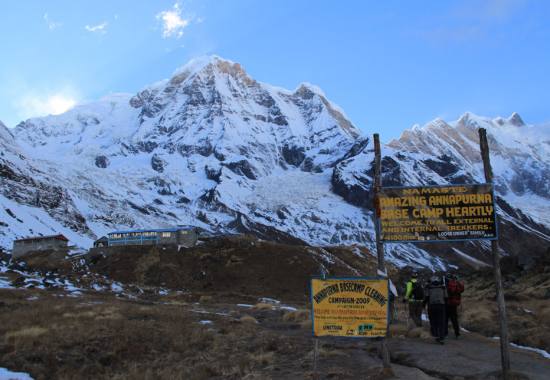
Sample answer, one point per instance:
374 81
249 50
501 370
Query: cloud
51 24
488 11
452 34
173 23
471 20
99 28
33 105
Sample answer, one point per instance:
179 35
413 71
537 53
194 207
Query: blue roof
173 229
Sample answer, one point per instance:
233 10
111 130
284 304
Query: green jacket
408 293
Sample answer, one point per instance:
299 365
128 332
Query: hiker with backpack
454 290
436 300
414 296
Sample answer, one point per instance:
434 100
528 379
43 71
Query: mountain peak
516 120
468 118
306 88
202 63
198 63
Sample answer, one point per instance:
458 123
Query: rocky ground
232 308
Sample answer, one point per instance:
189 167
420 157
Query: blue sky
388 64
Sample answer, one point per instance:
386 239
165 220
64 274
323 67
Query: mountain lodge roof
47 237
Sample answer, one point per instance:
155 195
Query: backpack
417 291
436 295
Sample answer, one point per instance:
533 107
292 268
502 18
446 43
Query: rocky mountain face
213 147
448 153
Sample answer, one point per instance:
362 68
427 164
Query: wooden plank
384 352
504 340
377 185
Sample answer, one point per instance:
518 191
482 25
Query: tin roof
173 229
58 237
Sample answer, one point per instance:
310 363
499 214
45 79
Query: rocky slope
213 147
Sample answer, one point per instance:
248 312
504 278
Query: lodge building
39 243
181 236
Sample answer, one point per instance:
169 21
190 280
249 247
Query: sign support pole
379 245
504 340
315 354
316 345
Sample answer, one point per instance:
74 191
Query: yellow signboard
352 307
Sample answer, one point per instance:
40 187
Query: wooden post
504 341
377 186
384 352
315 354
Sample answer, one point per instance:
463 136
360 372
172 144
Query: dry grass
263 358
26 333
263 306
123 340
205 299
297 316
325 352
418 332
527 307
398 330
306 324
84 314
248 319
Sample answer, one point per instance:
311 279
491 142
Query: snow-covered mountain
213 147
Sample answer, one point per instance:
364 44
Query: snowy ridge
213 147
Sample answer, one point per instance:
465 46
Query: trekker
414 296
436 299
454 290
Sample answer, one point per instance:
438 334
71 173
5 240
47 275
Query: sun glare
58 104
34 105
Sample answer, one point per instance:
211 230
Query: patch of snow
288 308
209 312
245 305
116 287
539 351
5 283
6 374
269 300
470 258
205 322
